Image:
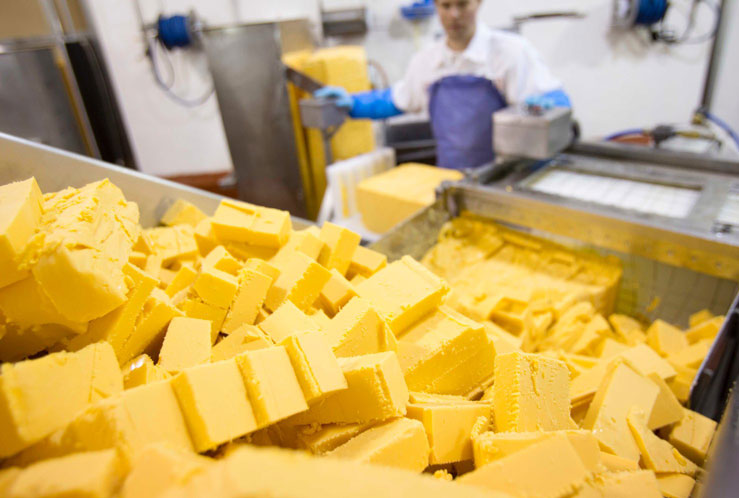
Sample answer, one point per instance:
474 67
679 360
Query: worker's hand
339 95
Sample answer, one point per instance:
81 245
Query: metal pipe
713 61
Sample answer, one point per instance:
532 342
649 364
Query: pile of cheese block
230 355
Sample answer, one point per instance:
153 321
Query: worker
461 80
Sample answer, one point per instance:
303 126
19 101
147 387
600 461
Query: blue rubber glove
374 104
340 96
545 101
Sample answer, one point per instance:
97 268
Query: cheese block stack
196 357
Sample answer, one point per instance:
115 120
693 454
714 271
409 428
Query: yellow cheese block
153 265
675 485
376 391
306 241
610 348
530 393
263 267
235 476
626 328
182 212
151 325
448 428
7 477
386 199
205 237
141 370
692 435
699 317
194 307
244 338
186 344
287 320
159 467
366 262
503 341
40 396
237 221
667 409
253 287
215 404
657 454
336 293
94 474
301 280
646 361
446 353
359 329
665 338
707 329
403 292
400 443
339 246
173 243
691 356
642 483
216 287
20 215
315 365
614 463
559 470
220 259
271 384
330 436
622 388
184 277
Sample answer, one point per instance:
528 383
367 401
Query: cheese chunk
159 467
287 320
186 344
182 212
251 471
244 338
657 454
699 317
20 215
667 409
403 292
559 470
339 246
271 384
359 329
616 463
92 474
645 361
195 308
366 262
336 293
704 330
173 243
665 338
253 287
621 389
215 404
329 437
691 356
397 443
675 485
205 237
446 353
530 393
151 325
220 259
40 396
300 281
448 428
376 391
184 277
263 267
692 435
315 365
140 371
628 329
242 222
640 483
216 287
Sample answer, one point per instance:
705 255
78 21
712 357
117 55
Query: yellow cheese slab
330 436
159 467
216 287
622 388
186 344
625 327
236 476
301 280
691 356
184 277
92 474
153 265
667 408
403 292
253 287
242 222
151 325
287 320
559 470
40 396
220 259
336 293
675 485
339 246
446 353
530 393
244 338
359 329
707 329
182 212
271 384
376 391
215 403
642 483
20 215
315 365
205 238
196 308
448 428
263 267
365 262
399 443
7 477
173 243
665 338
614 463
646 361
692 435
142 370
657 454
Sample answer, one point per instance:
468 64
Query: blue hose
723 125
625 133
651 12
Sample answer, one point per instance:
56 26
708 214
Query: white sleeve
408 93
527 74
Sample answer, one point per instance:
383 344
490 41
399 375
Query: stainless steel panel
55 169
251 87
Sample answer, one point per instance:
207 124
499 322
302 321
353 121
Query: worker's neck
460 43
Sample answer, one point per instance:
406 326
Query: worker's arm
374 104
